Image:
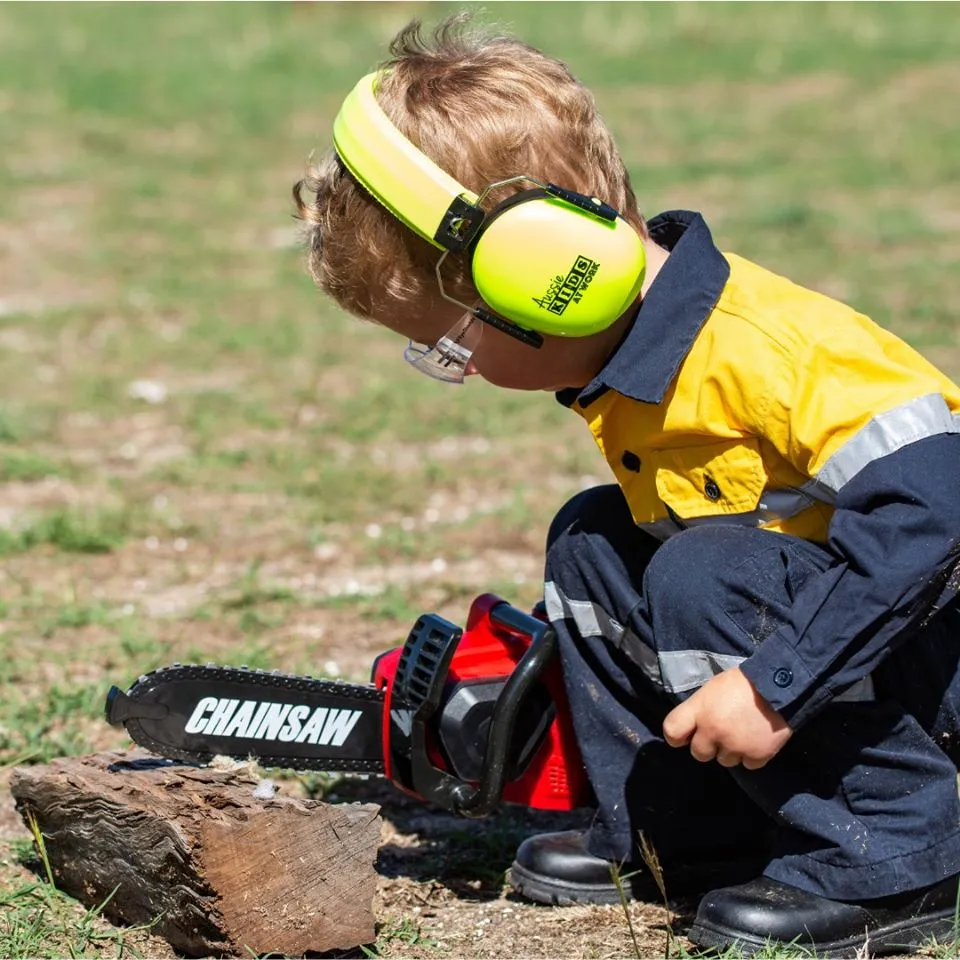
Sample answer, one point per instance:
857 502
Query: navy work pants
862 802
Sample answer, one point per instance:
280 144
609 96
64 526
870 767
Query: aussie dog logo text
259 720
570 289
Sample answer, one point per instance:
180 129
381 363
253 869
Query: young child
759 623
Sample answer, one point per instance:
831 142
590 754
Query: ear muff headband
407 182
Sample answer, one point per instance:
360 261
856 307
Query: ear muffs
549 260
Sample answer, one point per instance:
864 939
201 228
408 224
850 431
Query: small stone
150 391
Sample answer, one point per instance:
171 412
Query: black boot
558 868
763 911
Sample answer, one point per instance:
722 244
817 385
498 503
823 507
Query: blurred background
201 459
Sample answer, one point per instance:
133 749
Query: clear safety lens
449 357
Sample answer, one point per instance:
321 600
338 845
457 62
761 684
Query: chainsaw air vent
424 662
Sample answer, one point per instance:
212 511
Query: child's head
483 109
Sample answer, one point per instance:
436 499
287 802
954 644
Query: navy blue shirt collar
670 316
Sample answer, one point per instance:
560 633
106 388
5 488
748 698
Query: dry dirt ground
442 891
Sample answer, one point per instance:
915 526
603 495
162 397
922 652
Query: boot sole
640 888
541 889
904 937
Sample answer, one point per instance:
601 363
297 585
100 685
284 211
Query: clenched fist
728 721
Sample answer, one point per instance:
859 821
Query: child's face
505 361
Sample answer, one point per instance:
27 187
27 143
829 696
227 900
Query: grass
398 933
37 920
71 531
200 459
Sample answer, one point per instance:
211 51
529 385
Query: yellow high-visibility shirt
741 397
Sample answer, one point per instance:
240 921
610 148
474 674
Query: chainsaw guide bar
194 713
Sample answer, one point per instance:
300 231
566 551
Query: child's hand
728 721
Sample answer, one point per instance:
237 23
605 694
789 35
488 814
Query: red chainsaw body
553 778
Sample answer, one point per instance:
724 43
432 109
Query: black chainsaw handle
484 798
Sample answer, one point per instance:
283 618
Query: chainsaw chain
263 679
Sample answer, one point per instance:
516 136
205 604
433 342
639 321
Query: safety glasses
448 358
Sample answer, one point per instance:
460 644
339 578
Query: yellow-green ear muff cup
551 267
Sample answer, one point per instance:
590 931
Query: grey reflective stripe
809 491
674 671
591 620
775 505
886 433
684 670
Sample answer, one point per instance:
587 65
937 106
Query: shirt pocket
711 479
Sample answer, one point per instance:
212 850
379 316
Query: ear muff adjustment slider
459 225
462 219
591 204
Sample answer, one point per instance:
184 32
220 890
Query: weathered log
216 868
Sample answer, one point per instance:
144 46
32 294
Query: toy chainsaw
463 718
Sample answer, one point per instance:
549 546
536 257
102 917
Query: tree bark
215 868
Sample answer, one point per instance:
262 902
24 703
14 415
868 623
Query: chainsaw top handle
480 800
416 694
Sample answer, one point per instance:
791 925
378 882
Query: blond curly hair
483 108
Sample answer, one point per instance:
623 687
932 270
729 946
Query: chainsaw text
257 720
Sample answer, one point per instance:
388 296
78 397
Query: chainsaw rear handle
480 800
415 693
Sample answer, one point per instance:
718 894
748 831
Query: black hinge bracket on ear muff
591 204
529 337
459 225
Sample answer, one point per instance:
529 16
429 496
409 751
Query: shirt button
631 461
783 677
711 489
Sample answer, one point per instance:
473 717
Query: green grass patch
73 531
399 932
27 465
53 722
